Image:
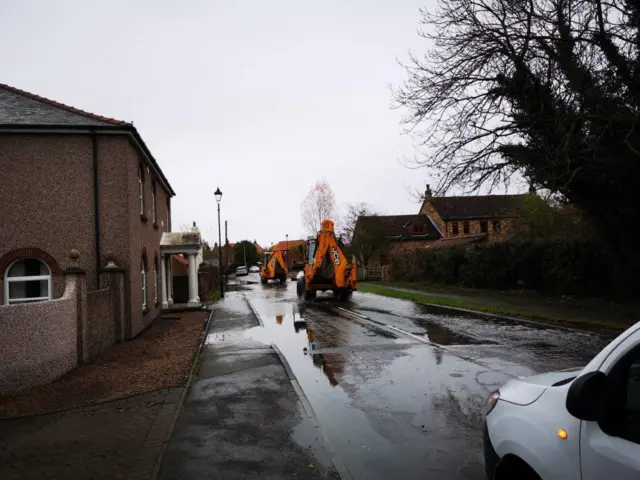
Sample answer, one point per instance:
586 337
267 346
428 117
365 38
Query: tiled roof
402 227
480 206
179 265
18 107
181 259
23 109
282 245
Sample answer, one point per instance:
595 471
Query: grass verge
440 301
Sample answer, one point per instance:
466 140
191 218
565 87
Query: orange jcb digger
274 267
326 267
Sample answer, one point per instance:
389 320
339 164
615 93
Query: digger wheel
300 288
263 280
345 295
309 294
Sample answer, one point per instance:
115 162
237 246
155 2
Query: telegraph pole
226 253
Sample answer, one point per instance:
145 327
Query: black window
465 227
454 228
622 404
484 226
496 226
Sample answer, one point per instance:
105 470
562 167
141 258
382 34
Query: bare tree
544 88
350 219
318 205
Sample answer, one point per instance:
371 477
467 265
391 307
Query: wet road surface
241 418
395 390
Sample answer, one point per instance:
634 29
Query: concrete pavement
242 418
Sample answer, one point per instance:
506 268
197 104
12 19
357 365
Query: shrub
558 267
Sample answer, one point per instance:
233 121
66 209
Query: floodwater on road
399 391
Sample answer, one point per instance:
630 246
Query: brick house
292 250
446 221
401 233
72 180
475 218
227 254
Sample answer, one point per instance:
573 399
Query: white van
573 424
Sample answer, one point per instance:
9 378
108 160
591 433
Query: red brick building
480 217
446 221
292 251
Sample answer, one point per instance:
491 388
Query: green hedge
553 267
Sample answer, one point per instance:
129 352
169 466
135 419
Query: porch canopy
179 243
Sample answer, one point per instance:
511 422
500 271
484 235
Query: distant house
473 218
293 251
212 256
383 235
442 222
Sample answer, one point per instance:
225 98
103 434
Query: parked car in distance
241 271
254 269
572 424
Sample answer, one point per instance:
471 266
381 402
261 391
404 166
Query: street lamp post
218 195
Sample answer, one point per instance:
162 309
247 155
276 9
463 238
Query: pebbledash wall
42 341
47 206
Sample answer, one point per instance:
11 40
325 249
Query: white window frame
8 280
143 272
141 190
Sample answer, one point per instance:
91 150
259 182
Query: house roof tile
282 245
480 206
21 109
399 226
18 107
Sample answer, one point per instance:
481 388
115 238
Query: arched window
143 276
27 280
153 203
155 280
141 188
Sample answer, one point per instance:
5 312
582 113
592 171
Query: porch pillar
169 280
193 280
163 280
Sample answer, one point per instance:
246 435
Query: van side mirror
585 396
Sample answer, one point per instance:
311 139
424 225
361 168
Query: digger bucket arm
326 242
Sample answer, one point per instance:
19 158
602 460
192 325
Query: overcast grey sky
261 98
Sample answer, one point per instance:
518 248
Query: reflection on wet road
398 390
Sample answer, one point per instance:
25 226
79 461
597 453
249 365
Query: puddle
435 332
441 335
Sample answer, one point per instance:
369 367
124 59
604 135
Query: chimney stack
427 193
